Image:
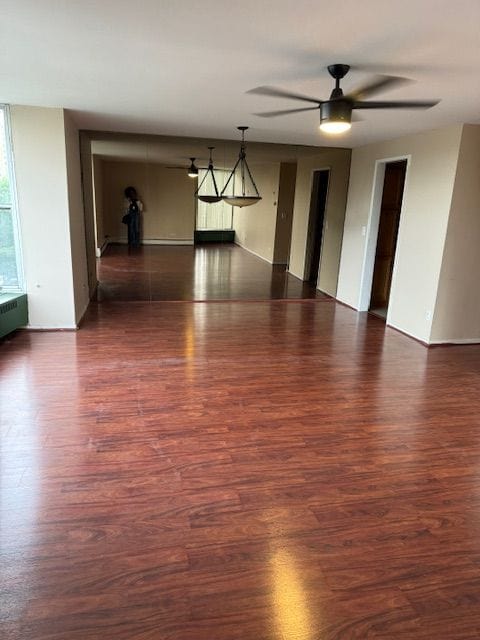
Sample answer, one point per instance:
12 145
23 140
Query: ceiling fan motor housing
336 111
338 71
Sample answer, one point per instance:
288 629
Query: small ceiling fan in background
336 112
192 169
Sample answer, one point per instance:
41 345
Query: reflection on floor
203 272
238 471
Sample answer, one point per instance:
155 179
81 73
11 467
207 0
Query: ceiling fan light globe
192 171
335 116
335 127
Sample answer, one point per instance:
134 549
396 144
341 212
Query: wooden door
387 233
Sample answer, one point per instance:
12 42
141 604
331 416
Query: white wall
457 311
76 218
423 224
338 161
255 226
43 199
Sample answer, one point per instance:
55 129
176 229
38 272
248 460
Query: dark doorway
315 224
286 197
390 208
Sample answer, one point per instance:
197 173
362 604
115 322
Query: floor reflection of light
290 603
189 349
19 481
212 271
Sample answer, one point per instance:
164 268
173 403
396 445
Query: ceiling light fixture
210 193
336 112
240 189
335 116
192 169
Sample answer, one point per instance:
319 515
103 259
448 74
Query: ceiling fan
336 112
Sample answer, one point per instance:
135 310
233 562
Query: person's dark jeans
134 231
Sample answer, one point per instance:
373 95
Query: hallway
259 471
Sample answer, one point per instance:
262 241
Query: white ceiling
182 67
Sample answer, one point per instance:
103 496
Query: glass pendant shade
240 189
207 189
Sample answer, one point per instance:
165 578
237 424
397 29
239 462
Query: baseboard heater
13 312
214 235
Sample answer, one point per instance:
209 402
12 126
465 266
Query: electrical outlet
428 315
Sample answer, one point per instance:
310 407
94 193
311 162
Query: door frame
371 234
324 226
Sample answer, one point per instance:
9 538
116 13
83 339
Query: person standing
133 209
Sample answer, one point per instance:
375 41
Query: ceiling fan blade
379 83
281 93
283 112
396 104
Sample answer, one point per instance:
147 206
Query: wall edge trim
252 252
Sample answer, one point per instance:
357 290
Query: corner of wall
425 209
39 133
457 303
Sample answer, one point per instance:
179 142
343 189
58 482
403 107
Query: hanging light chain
243 199
244 172
210 198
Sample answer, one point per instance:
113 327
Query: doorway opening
283 228
390 208
316 224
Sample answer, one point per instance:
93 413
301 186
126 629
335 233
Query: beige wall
39 150
76 218
167 196
338 161
432 162
457 312
255 226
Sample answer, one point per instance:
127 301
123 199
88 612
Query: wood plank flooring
238 471
201 272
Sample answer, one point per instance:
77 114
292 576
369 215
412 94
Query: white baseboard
180 241
295 274
405 333
100 250
348 304
53 327
457 341
160 241
436 342
252 252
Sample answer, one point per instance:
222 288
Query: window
10 256
216 216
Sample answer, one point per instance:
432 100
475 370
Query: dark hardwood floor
203 272
238 471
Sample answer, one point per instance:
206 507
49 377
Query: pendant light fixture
210 192
240 189
192 169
